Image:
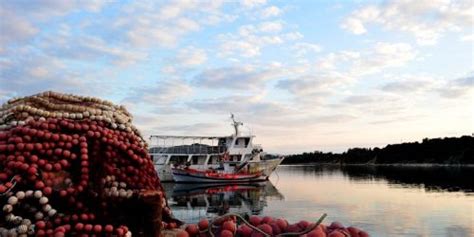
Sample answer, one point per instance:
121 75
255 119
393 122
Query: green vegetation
449 150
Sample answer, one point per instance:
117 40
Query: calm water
385 201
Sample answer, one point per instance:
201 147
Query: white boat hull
267 166
193 179
263 168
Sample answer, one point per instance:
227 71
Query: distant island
447 151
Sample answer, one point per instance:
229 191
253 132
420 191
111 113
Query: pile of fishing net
233 224
76 166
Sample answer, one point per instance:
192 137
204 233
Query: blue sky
301 75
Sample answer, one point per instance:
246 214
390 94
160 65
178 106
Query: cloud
45 9
271 11
410 84
16 29
359 99
250 39
200 129
397 119
151 24
316 85
270 27
331 60
458 87
467 38
335 73
164 60
243 77
354 25
301 49
145 33
253 3
253 108
26 75
5 95
161 93
375 105
191 56
88 47
382 55
23 16
426 20
421 84
336 118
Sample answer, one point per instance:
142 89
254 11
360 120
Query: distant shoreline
448 151
395 164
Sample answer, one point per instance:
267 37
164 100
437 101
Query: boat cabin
200 151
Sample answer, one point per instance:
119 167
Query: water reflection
430 178
385 201
190 202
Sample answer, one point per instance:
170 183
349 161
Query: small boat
188 175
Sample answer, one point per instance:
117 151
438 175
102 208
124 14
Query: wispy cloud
242 77
285 69
191 56
404 85
164 92
302 49
23 15
251 39
410 84
427 21
458 87
253 3
271 11
319 85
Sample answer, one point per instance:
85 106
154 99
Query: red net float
256 226
75 165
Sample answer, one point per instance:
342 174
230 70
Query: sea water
383 200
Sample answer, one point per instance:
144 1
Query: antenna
236 124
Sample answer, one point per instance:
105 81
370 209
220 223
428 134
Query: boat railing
188 150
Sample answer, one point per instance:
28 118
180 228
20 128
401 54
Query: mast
236 124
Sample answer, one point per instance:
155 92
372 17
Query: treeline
449 150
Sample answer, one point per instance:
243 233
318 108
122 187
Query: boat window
198 160
179 160
235 157
242 142
154 149
222 142
213 160
159 160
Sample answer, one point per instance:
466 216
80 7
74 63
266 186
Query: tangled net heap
72 165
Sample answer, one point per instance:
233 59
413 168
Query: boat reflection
191 202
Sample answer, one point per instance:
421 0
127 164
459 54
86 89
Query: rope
13 181
307 230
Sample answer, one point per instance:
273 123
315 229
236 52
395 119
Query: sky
301 75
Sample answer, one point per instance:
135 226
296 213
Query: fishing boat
233 158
